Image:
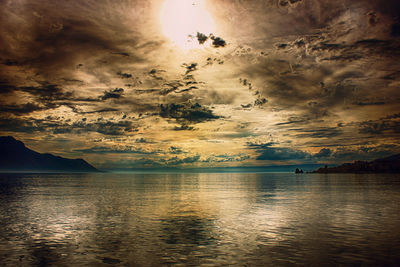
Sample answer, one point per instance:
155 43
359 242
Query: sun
181 19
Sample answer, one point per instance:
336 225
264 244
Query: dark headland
384 165
16 157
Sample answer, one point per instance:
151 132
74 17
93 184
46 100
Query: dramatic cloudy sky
140 83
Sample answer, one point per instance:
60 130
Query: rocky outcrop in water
298 170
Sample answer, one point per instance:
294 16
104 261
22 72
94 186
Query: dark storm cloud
268 151
187 113
185 84
183 127
290 90
178 161
45 97
56 36
190 67
281 46
202 38
103 127
43 92
47 92
260 101
48 47
360 49
115 93
294 87
124 75
51 96
211 61
323 153
298 87
170 87
57 126
9 124
216 41
379 127
309 68
24 108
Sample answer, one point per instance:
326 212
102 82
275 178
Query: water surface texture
252 219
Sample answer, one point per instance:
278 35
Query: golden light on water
181 19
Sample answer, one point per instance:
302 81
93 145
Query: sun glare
181 19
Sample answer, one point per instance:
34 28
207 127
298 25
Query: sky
202 83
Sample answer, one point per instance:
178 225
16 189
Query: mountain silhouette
15 156
384 165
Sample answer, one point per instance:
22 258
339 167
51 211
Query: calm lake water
237 219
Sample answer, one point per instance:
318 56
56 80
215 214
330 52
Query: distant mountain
385 165
15 156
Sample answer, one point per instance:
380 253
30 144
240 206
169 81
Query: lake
189 219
